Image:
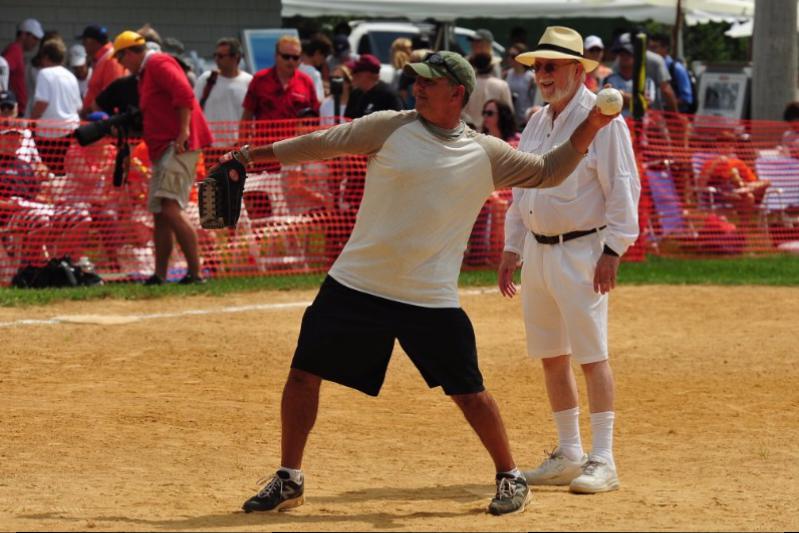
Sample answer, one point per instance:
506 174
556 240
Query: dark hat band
556 48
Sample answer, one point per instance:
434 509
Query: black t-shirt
380 98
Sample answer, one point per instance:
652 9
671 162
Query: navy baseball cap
8 97
96 32
341 44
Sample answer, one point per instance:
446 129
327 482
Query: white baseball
609 101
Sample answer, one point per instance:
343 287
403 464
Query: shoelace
551 455
506 488
274 484
590 466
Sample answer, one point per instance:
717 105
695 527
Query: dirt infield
167 423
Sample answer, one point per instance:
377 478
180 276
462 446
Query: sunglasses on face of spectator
6 107
489 113
289 57
595 50
549 68
223 56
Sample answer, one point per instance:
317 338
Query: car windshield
381 43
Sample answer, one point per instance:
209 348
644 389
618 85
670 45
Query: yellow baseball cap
126 39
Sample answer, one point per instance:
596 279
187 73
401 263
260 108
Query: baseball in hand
609 101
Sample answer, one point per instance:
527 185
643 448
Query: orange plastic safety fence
711 186
716 186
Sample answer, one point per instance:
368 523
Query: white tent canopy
447 10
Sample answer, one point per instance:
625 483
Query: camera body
125 122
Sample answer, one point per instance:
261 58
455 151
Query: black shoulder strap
209 85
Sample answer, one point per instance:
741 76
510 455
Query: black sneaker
154 280
188 279
513 495
279 494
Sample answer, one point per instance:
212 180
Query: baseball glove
220 197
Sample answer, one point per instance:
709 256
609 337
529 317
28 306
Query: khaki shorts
173 177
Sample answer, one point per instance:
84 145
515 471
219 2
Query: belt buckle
560 238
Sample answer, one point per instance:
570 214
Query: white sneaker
557 469
598 476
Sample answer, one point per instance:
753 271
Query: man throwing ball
396 279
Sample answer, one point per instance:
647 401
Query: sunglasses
489 113
437 60
595 49
222 56
7 107
289 57
549 68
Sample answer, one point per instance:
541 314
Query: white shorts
562 313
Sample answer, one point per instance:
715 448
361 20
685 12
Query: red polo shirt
267 99
16 74
163 87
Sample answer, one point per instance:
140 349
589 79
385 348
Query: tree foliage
707 42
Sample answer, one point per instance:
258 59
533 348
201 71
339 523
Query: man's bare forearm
584 133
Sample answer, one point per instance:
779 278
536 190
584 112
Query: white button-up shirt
603 190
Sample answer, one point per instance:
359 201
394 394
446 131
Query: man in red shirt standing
104 68
175 130
29 33
282 91
279 92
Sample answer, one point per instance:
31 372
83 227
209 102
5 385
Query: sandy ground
167 424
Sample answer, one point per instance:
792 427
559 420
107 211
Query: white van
376 37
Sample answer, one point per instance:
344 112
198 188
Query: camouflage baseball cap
445 65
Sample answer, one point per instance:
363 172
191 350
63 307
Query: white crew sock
568 423
296 475
602 434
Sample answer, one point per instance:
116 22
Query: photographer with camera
175 130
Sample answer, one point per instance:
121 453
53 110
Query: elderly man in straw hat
570 239
397 277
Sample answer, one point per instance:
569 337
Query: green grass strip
780 270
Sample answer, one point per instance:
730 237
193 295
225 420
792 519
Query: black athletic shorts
347 337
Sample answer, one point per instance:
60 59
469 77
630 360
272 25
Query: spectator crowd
49 84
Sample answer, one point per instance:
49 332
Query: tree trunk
774 58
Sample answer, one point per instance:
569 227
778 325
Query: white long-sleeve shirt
603 189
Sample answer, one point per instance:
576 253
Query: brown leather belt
557 239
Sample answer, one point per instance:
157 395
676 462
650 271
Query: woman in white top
327 109
56 105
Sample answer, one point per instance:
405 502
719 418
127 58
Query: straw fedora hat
558 42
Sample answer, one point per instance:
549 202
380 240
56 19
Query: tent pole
676 34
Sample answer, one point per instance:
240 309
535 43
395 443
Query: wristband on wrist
245 153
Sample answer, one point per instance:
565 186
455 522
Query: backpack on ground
59 272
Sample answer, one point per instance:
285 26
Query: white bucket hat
558 42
